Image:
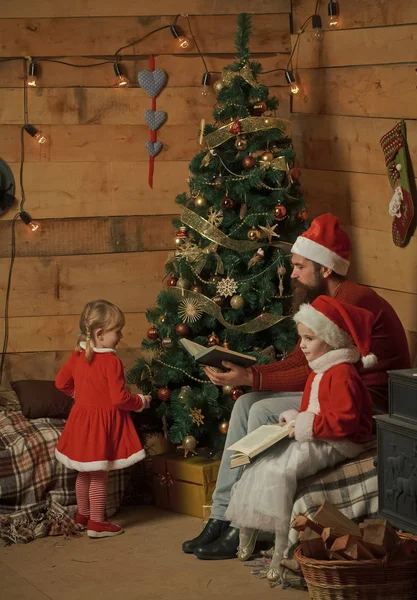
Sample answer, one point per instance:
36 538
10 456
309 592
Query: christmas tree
228 279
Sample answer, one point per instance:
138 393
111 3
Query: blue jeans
249 412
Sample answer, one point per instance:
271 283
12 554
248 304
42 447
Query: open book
214 355
247 448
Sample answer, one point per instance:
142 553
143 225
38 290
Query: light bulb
181 39
32 79
35 133
333 12
289 76
317 26
121 80
205 83
27 220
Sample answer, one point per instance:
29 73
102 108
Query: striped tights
91 493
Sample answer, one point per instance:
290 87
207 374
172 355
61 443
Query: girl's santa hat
340 325
325 243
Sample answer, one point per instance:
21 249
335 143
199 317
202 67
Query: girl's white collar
98 350
333 358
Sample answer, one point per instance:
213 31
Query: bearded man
320 261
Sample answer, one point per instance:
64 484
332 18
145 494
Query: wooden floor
145 562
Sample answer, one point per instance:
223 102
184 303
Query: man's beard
302 293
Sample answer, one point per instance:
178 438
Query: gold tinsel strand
248 125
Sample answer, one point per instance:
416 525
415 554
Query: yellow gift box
184 485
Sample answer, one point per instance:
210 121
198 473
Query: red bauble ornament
248 162
164 394
235 127
152 333
280 212
182 232
235 393
172 281
227 203
295 173
182 330
303 215
213 340
258 109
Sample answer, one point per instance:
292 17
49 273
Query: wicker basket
360 579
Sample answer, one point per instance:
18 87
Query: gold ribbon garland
212 233
260 323
247 125
228 76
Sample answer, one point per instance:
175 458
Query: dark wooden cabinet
397 452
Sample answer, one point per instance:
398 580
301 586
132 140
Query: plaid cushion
37 493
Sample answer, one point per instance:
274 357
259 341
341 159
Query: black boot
222 548
211 532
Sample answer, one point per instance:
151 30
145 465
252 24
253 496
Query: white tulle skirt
263 498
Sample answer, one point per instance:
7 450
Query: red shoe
81 520
100 530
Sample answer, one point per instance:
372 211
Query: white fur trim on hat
323 327
369 360
320 254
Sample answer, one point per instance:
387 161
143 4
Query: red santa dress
334 423
99 434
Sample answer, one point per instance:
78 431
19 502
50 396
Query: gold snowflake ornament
189 251
190 310
226 287
215 217
197 416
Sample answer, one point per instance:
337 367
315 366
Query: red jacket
389 344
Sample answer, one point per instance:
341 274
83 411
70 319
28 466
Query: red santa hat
340 325
325 243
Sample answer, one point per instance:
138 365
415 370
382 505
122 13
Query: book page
192 347
262 437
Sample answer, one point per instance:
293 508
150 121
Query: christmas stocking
401 205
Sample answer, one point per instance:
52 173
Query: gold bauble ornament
179 241
237 302
267 157
224 427
218 86
241 144
200 201
197 289
188 445
253 234
162 318
227 389
213 340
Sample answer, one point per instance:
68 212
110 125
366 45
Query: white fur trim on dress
143 403
100 465
288 415
313 401
304 426
323 327
98 350
320 254
335 357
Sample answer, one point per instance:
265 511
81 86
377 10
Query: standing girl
333 423
99 435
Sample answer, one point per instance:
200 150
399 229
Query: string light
333 12
27 220
121 79
205 83
289 76
35 133
32 79
317 26
182 40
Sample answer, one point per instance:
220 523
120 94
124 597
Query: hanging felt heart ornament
152 81
153 148
155 118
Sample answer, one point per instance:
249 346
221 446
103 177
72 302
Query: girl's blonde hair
98 314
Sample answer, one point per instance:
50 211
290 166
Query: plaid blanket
351 486
37 493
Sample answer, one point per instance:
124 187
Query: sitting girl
334 421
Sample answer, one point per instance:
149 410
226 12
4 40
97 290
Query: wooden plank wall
104 232
355 84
